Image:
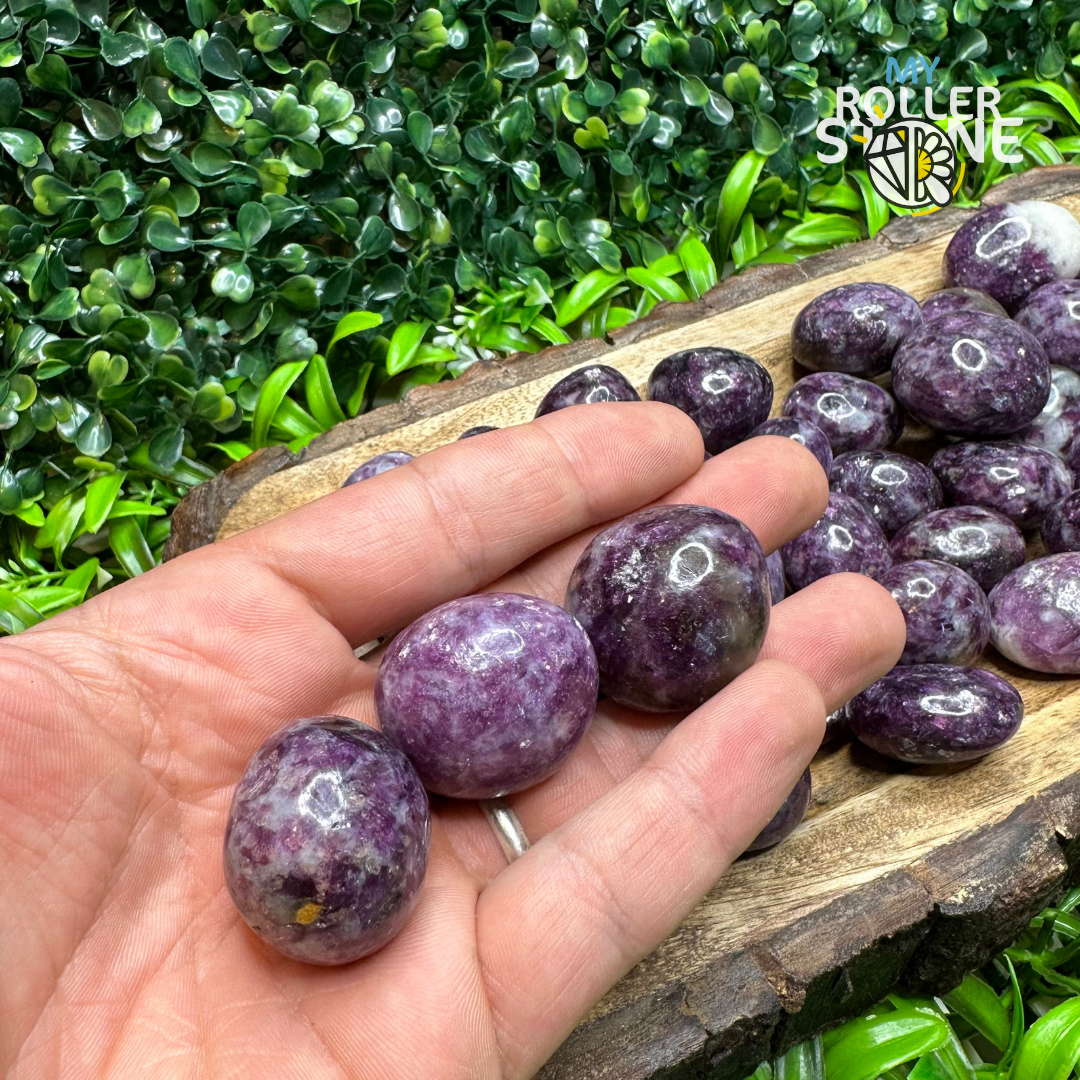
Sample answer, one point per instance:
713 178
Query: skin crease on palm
127 722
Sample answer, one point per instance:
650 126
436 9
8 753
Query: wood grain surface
899 876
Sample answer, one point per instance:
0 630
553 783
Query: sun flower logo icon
912 163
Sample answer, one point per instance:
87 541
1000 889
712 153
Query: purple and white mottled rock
972 374
777 585
380 463
854 414
801 431
946 301
1058 424
675 600
327 840
1051 314
726 393
982 542
894 488
836 726
1009 250
1060 528
854 328
480 429
1035 614
787 818
845 539
488 694
1022 482
945 610
930 714
587 386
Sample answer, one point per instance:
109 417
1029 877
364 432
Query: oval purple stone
327 840
777 585
853 414
929 714
380 463
787 818
1060 528
487 694
1035 615
946 612
1051 314
982 542
894 488
854 328
587 386
801 431
1057 426
675 600
845 539
946 301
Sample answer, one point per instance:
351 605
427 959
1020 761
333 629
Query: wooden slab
898 877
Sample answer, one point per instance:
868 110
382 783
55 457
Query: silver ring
508 831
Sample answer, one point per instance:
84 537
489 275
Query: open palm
126 724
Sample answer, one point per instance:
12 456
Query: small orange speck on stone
308 913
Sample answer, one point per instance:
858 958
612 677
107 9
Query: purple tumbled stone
675 600
854 328
1051 314
777 585
327 840
1035 614
982 542
587 386
845 539
894 488
931 714
946 612
726 393
836 726
1022 482
380 463
1060 528
801 431
487 694
853 414
480 429
787 818
1058 424
972 374
946 301
1009 250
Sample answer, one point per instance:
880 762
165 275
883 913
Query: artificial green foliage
225 226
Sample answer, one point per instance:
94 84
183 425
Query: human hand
127 723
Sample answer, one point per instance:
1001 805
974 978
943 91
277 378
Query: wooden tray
899 876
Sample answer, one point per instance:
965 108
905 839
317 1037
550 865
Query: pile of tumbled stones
327 839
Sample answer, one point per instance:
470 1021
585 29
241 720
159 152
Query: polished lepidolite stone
380 463
930 714
587 386
1058 424
1060 528
487 694
836 726
1035 614
480 429
675 600
894 488
972 374
1022 482
854 328
854 414
787 818
946 301
1009 250
1051 314
777 585
327 840
945 610
982 542
801 431
845 539
726 393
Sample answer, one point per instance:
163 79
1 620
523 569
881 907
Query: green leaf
62 306
102 120
181 60
875 207
656 285
129 546
60 524
164 235
17 614
864 1049
698 265
120 49
803 1062
980 1006
322 402
220 58
404 345
271 395
94 436
353 323
421 131
100 496
767 136
735 194
234 450
587 293
81 578
1051 1048
519 63
824 229
253 223
24 146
